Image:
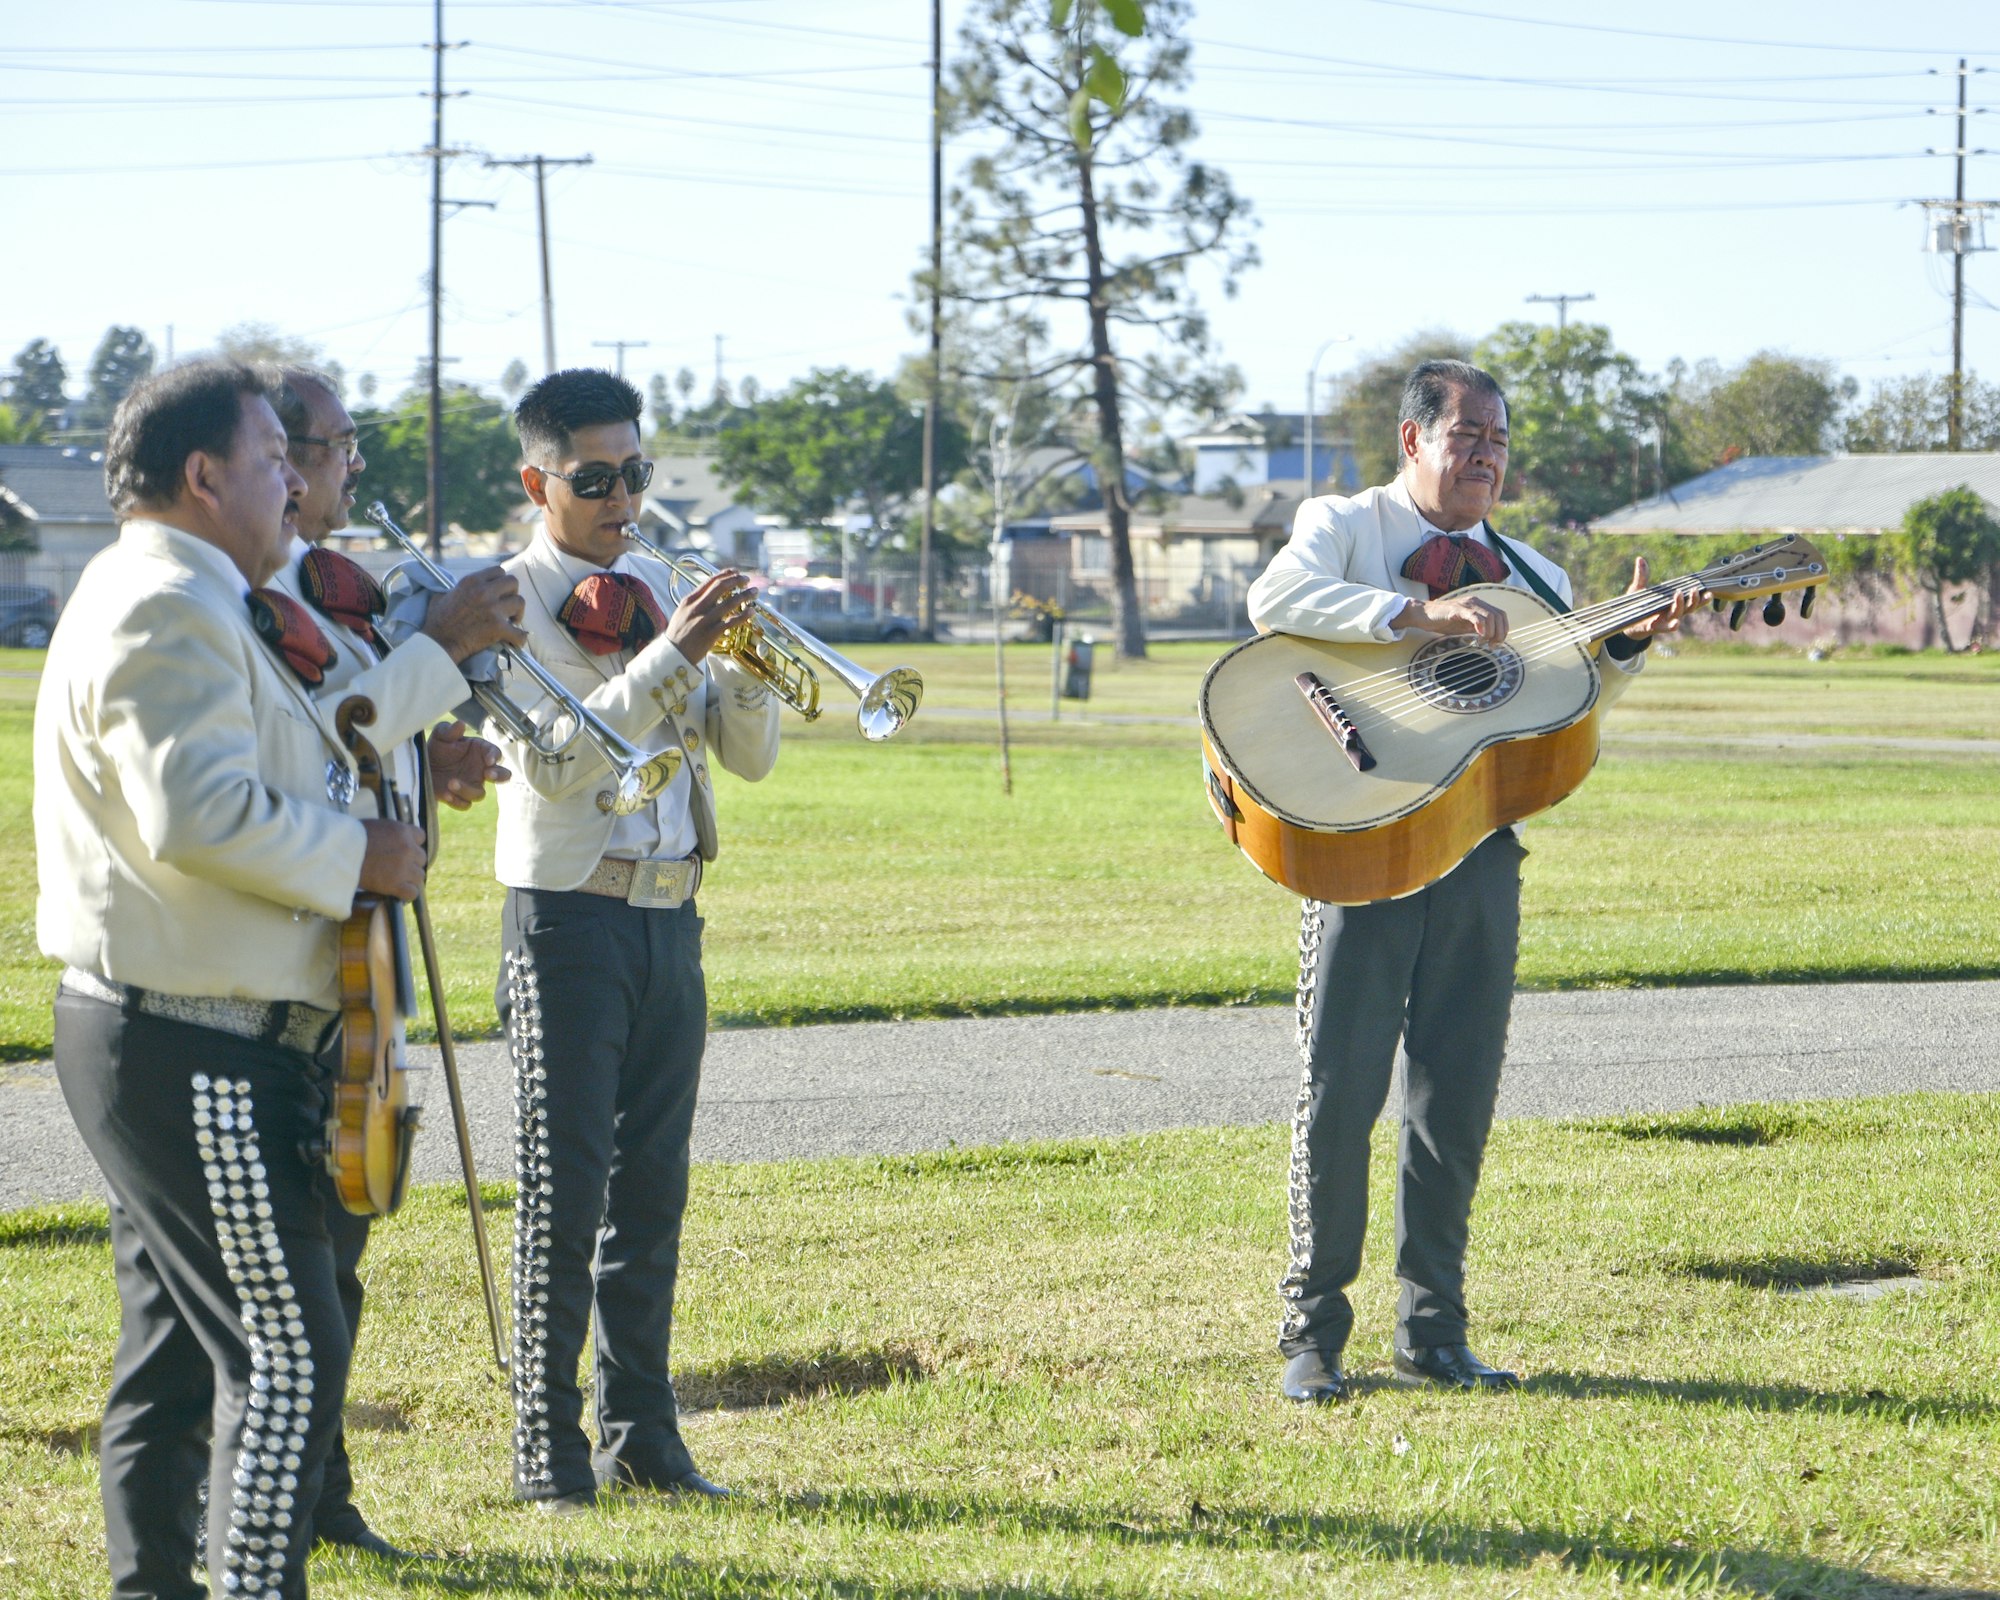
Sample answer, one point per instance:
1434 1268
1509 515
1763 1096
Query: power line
1650 33
541 164
622 345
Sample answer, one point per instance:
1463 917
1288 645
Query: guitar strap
1519 563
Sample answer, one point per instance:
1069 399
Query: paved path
863 1088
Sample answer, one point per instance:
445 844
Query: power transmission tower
1957 226
541 164
621 346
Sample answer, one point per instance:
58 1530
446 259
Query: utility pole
541 164
621 346
718 367
1562 304
1957 225
926 589
434 410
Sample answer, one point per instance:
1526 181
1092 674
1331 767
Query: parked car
820 612
27 615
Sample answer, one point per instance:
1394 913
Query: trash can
1076 676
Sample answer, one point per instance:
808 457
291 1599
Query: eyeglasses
349 447
594 482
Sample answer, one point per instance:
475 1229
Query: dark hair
1431 384
578 397
197 405
283 390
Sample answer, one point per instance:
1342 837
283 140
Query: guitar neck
1608 617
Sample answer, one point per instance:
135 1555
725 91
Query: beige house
1195 556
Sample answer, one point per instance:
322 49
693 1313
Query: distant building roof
1808 494
1271 430
62 484
690 488
1259 511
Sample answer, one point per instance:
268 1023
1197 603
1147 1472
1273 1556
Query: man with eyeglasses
410 689
601 986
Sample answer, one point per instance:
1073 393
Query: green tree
1771 405
514 380
20 425
1367 400
1946 541
1909 414
37 384
1083 216
1577 413
17 526
479 458
834 438
260 341
123 356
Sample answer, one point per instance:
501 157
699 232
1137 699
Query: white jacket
552 832
184 838
1340 578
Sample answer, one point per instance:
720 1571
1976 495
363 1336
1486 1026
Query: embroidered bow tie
288 628
611 611
1448 561
343 590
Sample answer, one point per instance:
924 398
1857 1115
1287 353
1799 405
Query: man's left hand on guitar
1669 620
462 766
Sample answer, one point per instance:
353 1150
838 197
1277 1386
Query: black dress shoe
575 1503
1314 1378
1450 1366
352 1533
689 1482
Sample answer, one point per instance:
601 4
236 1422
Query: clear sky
1722 177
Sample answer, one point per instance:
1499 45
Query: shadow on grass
1784 1397
1739 1125
1759 1575
1790 1272
774 1379
40 1227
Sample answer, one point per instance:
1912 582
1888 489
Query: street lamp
1312 387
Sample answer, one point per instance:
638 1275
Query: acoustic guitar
1358 772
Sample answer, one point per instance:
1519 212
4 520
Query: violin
373 1122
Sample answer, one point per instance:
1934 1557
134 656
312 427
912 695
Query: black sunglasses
594 482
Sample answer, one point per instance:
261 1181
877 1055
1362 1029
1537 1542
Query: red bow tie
287 627
1448 561
343 590
611 611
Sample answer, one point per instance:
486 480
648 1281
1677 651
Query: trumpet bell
889 702
639 785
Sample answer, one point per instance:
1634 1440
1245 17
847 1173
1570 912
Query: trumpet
790 662
637 777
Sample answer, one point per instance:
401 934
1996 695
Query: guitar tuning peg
1736 614
1774 610
1806 601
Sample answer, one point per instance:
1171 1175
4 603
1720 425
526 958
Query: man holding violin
196 861
601 986
415 686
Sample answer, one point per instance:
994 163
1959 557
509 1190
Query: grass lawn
896 880
1049 1370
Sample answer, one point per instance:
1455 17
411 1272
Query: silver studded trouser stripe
227 1299
606 1018
1437 970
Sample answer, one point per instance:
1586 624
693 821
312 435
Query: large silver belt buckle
660 885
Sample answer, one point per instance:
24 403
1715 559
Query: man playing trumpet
601 984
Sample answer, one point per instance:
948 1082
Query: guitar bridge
1338 722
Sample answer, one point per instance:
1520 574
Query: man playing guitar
1434 968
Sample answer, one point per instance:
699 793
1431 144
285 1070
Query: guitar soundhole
1464 675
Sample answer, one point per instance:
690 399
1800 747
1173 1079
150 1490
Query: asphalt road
892 1087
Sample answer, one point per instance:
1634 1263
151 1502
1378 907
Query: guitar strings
1554 636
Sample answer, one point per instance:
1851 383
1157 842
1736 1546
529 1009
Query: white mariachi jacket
185 831
552 831
1340 576
415 686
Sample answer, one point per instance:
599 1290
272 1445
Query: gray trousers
606 1015
1435 969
